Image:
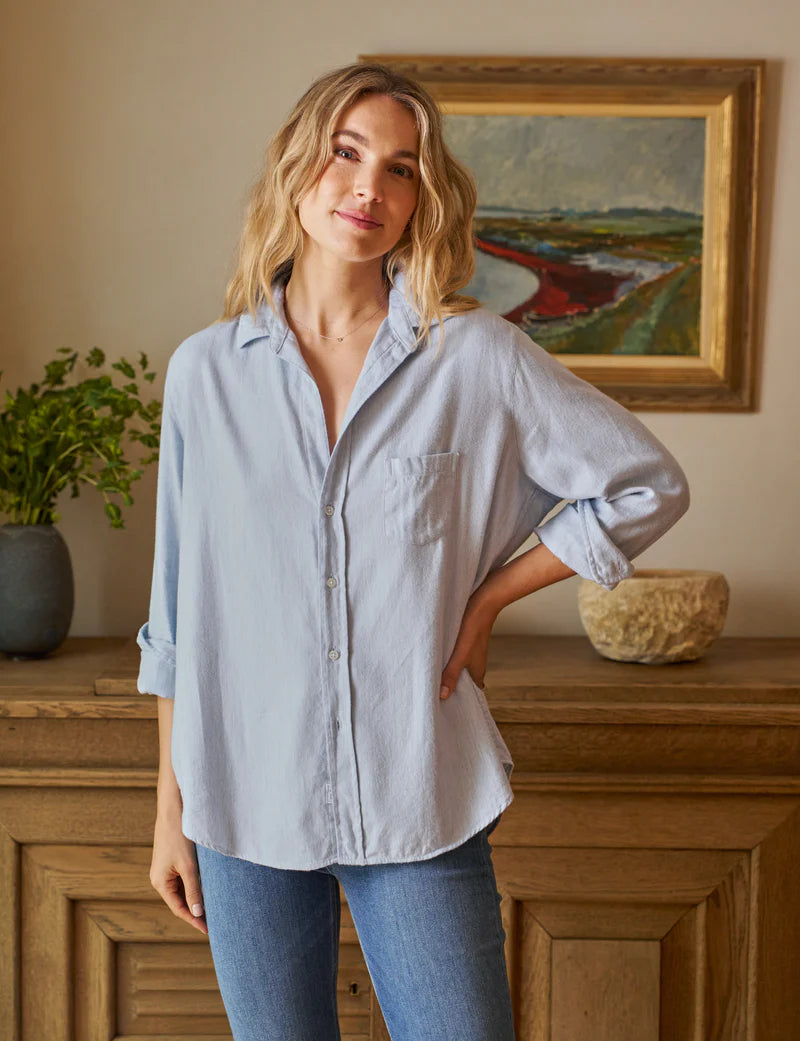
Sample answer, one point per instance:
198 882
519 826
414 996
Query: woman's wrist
169 800
486 601
525 574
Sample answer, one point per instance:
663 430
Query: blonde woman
349 457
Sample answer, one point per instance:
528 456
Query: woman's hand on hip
471 650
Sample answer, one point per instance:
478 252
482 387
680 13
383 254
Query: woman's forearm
524 574
168 795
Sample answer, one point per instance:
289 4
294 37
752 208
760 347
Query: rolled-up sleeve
157 637
576 443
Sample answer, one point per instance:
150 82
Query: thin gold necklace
339 338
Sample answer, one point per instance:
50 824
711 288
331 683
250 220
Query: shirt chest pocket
419 496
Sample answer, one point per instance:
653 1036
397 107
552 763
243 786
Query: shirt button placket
338 686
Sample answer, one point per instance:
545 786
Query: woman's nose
369 183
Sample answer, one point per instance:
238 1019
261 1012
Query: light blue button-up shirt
305 602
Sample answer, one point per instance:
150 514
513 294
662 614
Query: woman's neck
332 303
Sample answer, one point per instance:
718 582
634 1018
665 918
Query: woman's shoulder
483 321
194 352
193 356
209 338
507 341
487 333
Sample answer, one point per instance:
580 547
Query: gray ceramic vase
37 590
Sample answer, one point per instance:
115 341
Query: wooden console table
649 864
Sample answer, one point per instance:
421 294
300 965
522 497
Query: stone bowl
656 616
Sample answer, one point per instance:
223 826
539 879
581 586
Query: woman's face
371 170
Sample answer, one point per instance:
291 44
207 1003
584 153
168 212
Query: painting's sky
581 162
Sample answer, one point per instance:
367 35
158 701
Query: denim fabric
305 602
431 934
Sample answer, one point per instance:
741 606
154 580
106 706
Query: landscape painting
589 229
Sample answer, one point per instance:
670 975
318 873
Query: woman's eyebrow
400 153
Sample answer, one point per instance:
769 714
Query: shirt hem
363 862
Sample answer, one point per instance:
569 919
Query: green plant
53 435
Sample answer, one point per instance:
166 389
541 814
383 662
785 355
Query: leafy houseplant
51 436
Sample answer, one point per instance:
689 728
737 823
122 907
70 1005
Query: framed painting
616 217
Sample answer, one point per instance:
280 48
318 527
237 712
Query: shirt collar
404 320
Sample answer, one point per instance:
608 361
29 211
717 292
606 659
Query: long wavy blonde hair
436 250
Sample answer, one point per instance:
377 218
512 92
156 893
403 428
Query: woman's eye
349 151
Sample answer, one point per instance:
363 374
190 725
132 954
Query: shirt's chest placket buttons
331 583
333 653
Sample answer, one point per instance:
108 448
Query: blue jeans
430 932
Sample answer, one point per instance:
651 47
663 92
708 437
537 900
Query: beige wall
132 130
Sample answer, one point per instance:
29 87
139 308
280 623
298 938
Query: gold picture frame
668 329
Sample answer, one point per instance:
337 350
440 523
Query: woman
341 482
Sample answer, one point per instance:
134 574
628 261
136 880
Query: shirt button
329 509
333 654
331 582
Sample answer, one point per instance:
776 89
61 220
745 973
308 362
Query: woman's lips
358 223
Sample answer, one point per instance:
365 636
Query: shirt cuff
575 536
157 666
